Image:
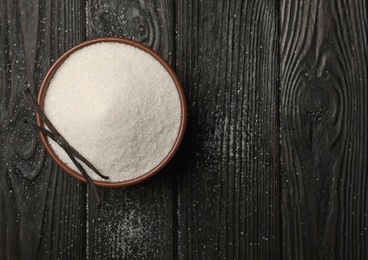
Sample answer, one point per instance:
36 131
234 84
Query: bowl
165 65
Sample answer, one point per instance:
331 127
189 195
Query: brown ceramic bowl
167 67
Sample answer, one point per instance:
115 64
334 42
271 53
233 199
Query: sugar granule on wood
117 106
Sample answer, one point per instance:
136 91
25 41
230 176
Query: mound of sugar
117 106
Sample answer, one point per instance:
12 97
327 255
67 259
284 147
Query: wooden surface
228 182
274 161
323 119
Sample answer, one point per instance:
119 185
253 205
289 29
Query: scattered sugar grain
117 106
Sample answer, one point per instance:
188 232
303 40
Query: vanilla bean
58 136
43 130
71 156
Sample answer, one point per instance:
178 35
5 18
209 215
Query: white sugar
117 106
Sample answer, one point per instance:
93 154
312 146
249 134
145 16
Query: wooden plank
134 222
324 129
42 210
149 22
226 57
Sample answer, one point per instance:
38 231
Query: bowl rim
167 67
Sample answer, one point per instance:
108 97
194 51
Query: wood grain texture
42 210
228 201
251 70
134 222
149 22
324 129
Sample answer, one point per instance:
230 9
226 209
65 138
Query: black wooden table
274 161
